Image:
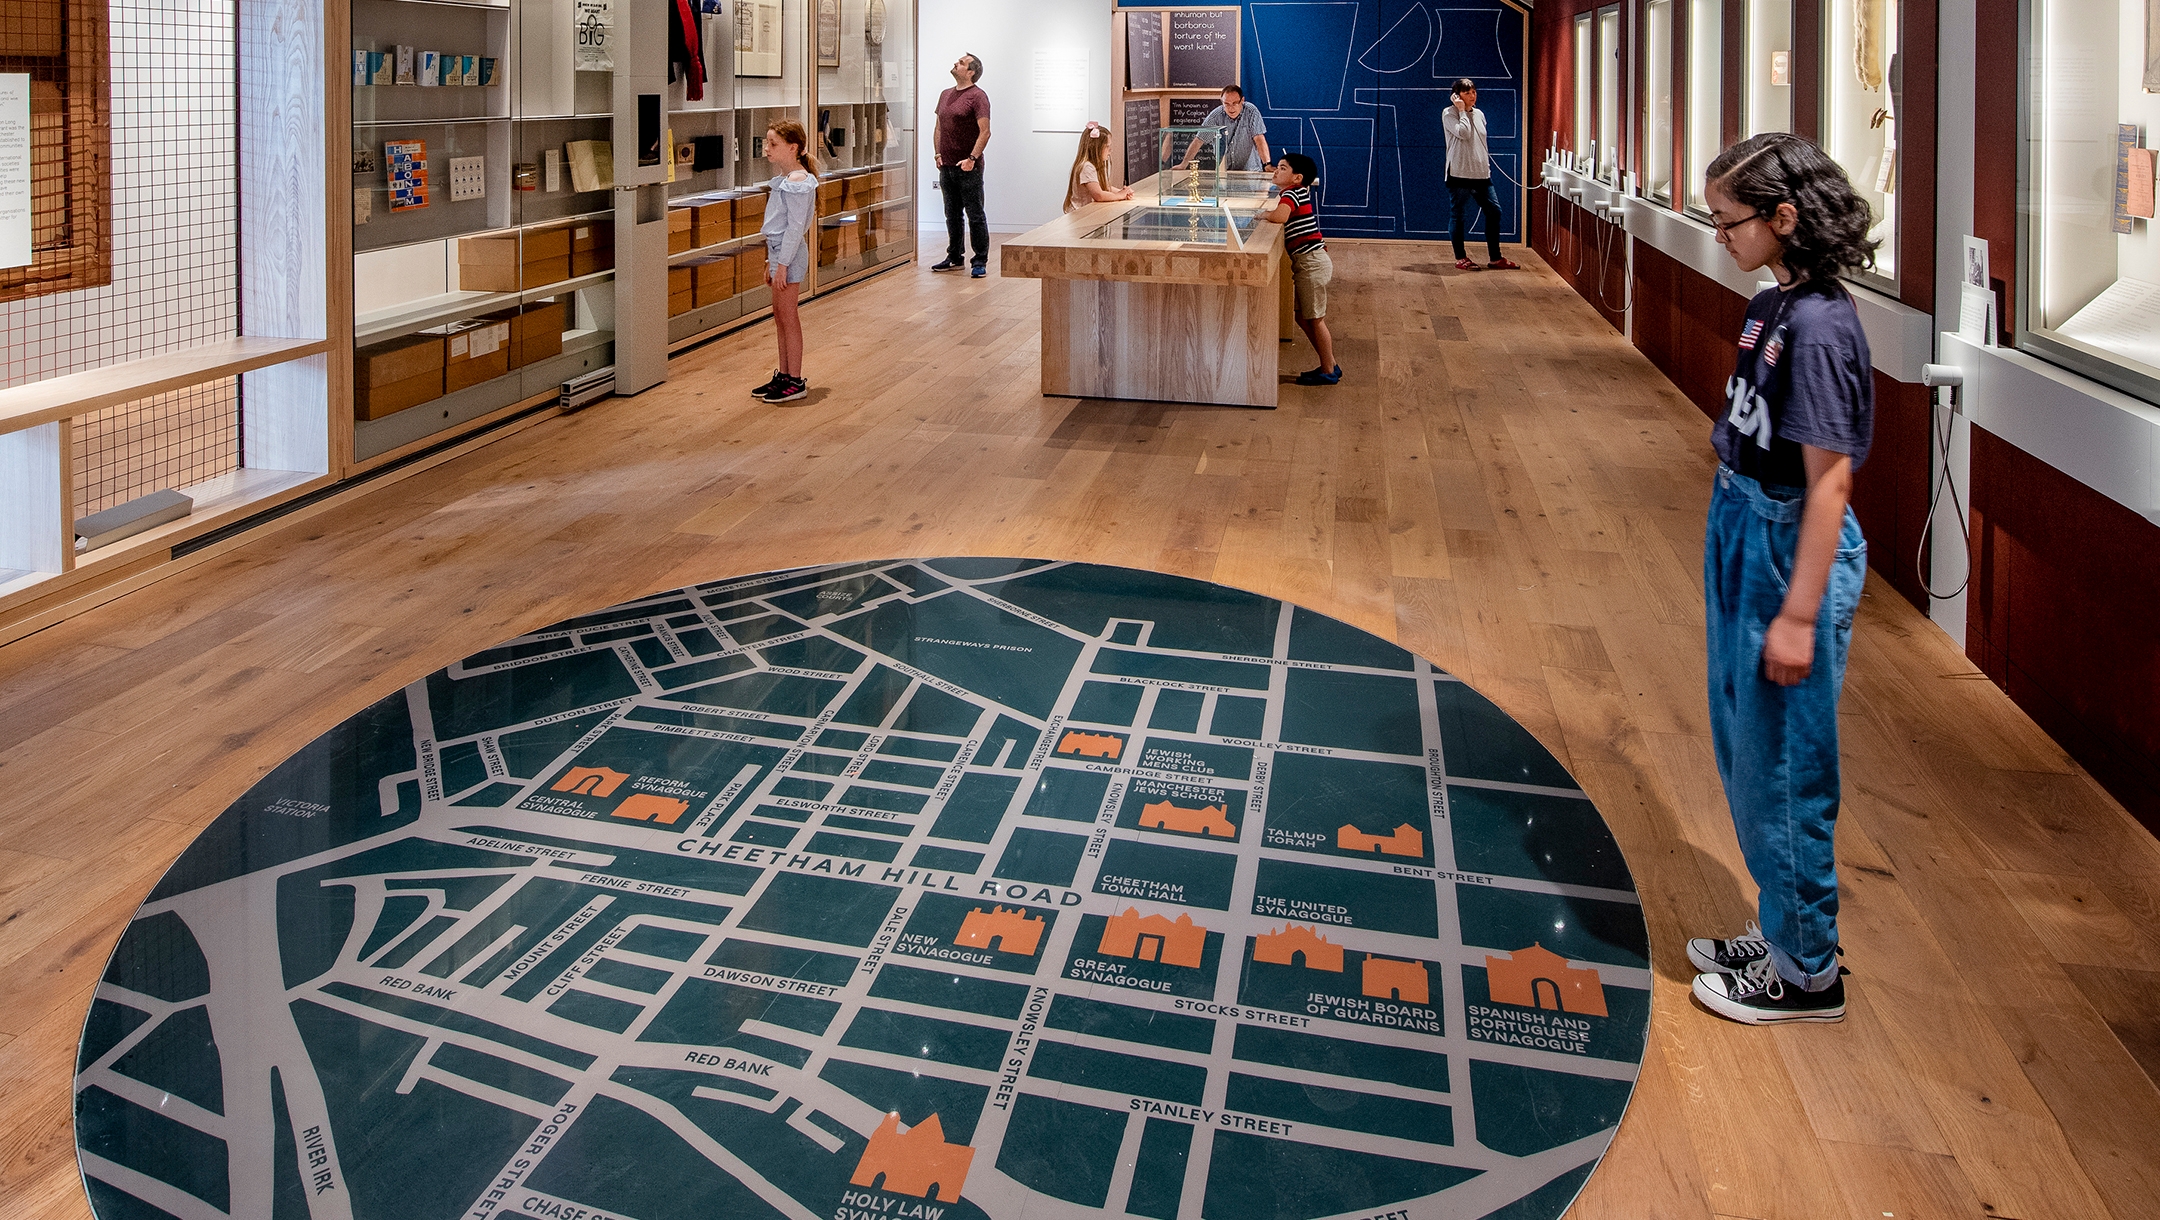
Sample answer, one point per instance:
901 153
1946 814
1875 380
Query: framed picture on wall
828 33
757 38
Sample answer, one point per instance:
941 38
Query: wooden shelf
41 402
450 306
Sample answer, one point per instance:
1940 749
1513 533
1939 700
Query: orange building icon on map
644 806
1388 979
1406 841
1282 948
916 1162
1537 977
1151 938
1091 745
590 781
1208 819
1015 930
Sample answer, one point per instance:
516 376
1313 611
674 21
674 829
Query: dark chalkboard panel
1145 65
1203 48
1191 111
1142 120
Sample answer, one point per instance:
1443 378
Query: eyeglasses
1725 227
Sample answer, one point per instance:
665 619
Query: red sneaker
1464 264
1504 265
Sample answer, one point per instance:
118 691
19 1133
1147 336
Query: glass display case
1657 100
1766 67
484 182
1705 95
866 135
1610 68
1194 177
482 214
2089 295
1862 98
1205 226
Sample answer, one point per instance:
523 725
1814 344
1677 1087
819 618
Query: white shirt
1466 153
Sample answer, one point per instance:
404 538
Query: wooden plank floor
1500 483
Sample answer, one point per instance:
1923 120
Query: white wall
1025 170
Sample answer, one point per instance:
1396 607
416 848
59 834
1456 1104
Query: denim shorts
797 270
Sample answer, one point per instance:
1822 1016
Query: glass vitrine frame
1585 49
1656 113
1196 174
1702 123
2071 257
1611 93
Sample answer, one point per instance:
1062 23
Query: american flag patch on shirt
1750 333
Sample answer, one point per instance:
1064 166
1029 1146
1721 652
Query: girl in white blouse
1091 170
790 209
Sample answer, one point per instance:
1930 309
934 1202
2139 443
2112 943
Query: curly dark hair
1777 167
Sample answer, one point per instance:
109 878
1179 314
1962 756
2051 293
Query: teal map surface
916 889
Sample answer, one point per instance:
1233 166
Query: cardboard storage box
592 247
749 214
713 282
395 374
475 350
712 223
505 263
679 233
831 193
865 189
681 289
749 270
535 333
828 245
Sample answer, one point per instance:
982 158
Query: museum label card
1061 88
15 169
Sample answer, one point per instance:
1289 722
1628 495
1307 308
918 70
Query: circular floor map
910 890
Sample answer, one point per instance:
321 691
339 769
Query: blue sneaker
978 271
1316 377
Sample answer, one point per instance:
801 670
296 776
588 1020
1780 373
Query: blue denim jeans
1777 746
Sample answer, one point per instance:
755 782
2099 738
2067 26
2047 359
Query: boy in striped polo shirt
1310 266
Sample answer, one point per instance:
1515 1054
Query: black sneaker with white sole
770 382
1729 956
950 264
787 389
1758 996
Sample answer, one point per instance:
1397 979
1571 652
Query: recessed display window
2090 292
1766 74
1657 100
1862 78
1705 93
1585 87
1609 69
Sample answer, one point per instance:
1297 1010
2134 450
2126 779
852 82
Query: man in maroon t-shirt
963 128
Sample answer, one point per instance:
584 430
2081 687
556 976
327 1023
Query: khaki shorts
1310 271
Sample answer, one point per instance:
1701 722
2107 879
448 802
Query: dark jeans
1463 191
963 191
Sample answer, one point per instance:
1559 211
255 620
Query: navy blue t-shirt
1804 377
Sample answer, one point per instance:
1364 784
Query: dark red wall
2062 615
1686 324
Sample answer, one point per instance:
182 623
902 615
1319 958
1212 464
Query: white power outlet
468 178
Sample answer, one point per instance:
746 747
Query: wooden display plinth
1163 321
